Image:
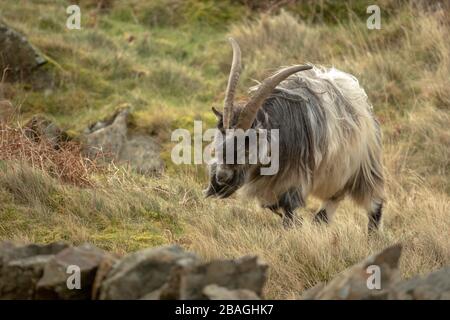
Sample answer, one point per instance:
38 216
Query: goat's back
329 137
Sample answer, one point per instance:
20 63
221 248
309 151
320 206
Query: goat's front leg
288 202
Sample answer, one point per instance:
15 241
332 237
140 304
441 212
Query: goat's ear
218 114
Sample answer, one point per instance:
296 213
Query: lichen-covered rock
54 282
188 281
352 284
17 54
143 272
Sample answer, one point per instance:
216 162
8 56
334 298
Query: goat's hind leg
373 205
371 199
375 213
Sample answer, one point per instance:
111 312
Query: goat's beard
226 189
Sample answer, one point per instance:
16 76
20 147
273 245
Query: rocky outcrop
17 54
110 140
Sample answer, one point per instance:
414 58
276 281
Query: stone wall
61 271
49 272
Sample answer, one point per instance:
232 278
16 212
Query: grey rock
110 140
19 277
188 281
352 283
107 139
17 53
21 267
434 286
143 272
53 284
104 268
154 295
215 292
10 251
143 154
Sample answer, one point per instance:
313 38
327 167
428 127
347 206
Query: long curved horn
232 83
248 114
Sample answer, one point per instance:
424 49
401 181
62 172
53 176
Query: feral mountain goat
329 142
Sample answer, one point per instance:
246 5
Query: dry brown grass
64 161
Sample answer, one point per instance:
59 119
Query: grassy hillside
169 61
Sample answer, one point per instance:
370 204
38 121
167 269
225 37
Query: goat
329 142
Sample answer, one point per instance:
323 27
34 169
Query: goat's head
228 171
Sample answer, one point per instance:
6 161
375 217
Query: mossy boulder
17 54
